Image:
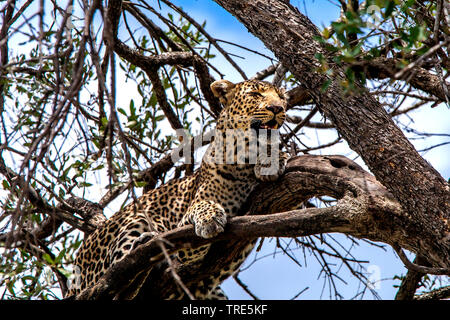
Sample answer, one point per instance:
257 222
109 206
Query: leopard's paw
209 219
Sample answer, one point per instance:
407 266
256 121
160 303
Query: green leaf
104 121
6 185
84 184
389 9
140 184
132 107
159 118
60 256
10 286
48 259
122 111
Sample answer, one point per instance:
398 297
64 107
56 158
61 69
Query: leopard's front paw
210 222
208 217
270 169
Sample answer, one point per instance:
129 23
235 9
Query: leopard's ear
223 90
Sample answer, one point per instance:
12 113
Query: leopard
206 199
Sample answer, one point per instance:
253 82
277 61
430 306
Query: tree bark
360 119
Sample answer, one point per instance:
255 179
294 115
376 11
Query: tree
63 128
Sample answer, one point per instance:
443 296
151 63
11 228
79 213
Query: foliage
404 30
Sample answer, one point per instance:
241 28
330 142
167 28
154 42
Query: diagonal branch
147 63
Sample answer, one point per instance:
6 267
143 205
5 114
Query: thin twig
244 287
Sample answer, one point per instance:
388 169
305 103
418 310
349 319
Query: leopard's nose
275 108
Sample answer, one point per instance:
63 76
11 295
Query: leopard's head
250 104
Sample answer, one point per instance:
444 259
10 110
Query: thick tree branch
297 96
